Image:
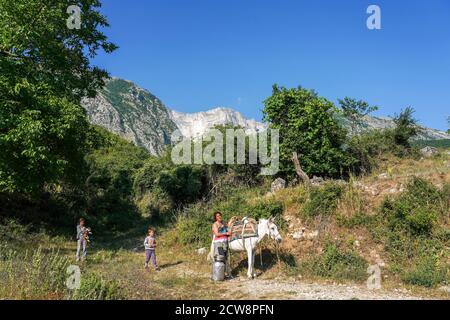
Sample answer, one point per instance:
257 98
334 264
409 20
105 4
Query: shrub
426 272
93 287
337 264
323 200
183 183
416 210
264 209
367 148
155 203
415 233
193 227
359 219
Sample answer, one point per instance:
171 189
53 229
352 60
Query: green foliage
336 263
183 183
109 198
44 73
426 272
416 210
147 177
416 233
32 274
265 209
155 204
42 137
359 219
308 127
368 147
440 144
355 111
323 200
93 287
193 226
406 128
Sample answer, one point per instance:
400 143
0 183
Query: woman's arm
216 232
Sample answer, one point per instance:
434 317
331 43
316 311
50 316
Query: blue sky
199 54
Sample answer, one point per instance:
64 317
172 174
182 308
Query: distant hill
133 113
138 116
372 122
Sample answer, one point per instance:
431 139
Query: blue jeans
81 246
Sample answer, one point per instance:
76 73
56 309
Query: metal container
218 271
220 258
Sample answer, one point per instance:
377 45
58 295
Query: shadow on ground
269 260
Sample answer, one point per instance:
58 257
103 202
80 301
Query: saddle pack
243 228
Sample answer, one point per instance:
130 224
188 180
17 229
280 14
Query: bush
193 226
416 233
426 272
183 183
146 177
359 219
368 147
416 210
264 209
336 263
155 204
323 200
93 287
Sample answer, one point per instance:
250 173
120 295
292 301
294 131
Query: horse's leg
253 265
250 261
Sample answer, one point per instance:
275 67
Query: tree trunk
302 175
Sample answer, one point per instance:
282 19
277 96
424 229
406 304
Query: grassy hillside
396 217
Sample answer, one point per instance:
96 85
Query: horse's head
271 229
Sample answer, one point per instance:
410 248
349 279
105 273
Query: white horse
266 227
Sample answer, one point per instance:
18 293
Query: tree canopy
45 71
307 126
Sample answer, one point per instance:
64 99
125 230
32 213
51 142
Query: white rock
445 288
298 234
393 191
201 251
278 184
428 151
312 235
194 125
383 176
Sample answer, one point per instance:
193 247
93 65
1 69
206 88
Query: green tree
45 71
183 183
355 111
405 128
307 126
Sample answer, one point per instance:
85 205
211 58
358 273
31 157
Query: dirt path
296 289
303 290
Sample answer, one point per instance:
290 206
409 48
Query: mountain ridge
137 115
